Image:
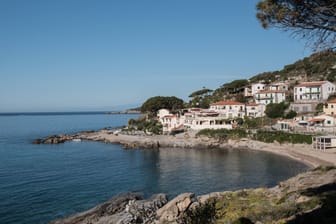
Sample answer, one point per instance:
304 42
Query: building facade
313 91
330 107
270 96
229 109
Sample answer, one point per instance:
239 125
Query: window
230 108
300 89
328 122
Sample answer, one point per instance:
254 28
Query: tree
314 20
153 104
276 110
291 114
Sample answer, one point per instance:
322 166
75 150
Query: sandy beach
301 152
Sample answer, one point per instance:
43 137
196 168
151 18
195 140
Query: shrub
223 134
201 214
282 137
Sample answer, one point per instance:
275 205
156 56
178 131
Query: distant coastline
67 113
300 152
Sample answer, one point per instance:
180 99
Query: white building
270 96
278 86
210 120
255 110
313 91
323 121
170 121
229 109
257 87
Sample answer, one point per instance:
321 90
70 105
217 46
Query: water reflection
203 171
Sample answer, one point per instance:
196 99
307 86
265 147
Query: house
162 113
229 109
248 91
257 87
278 86
313 91
255 110
206 119
322 121
270 96
330 107
171 122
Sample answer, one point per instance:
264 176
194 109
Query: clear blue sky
70 55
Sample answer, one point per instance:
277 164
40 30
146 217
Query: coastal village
223 114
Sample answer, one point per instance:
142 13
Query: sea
40 183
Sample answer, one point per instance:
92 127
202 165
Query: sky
75 55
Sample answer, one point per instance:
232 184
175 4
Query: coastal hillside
317 67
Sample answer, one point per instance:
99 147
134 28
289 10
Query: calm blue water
39 183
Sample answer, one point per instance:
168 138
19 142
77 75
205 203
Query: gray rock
175 208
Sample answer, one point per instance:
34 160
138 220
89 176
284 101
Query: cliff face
307 198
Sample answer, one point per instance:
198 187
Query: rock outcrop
124 209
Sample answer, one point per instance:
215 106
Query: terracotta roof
229 102
195 109
252 105
170 116
332 101
316 119
308 84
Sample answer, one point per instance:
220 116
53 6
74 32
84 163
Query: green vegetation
317 66
153 104
223 134
276 110
310 19
251 206
201 93
142 124
291 114
263 136
281 137
201 214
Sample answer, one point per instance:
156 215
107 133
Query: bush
201 214
223 134
151 126
282 137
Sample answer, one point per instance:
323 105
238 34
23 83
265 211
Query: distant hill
317 67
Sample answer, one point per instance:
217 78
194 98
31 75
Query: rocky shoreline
306 198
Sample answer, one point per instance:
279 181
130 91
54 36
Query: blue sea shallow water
39 183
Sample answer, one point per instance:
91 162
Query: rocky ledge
307 198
